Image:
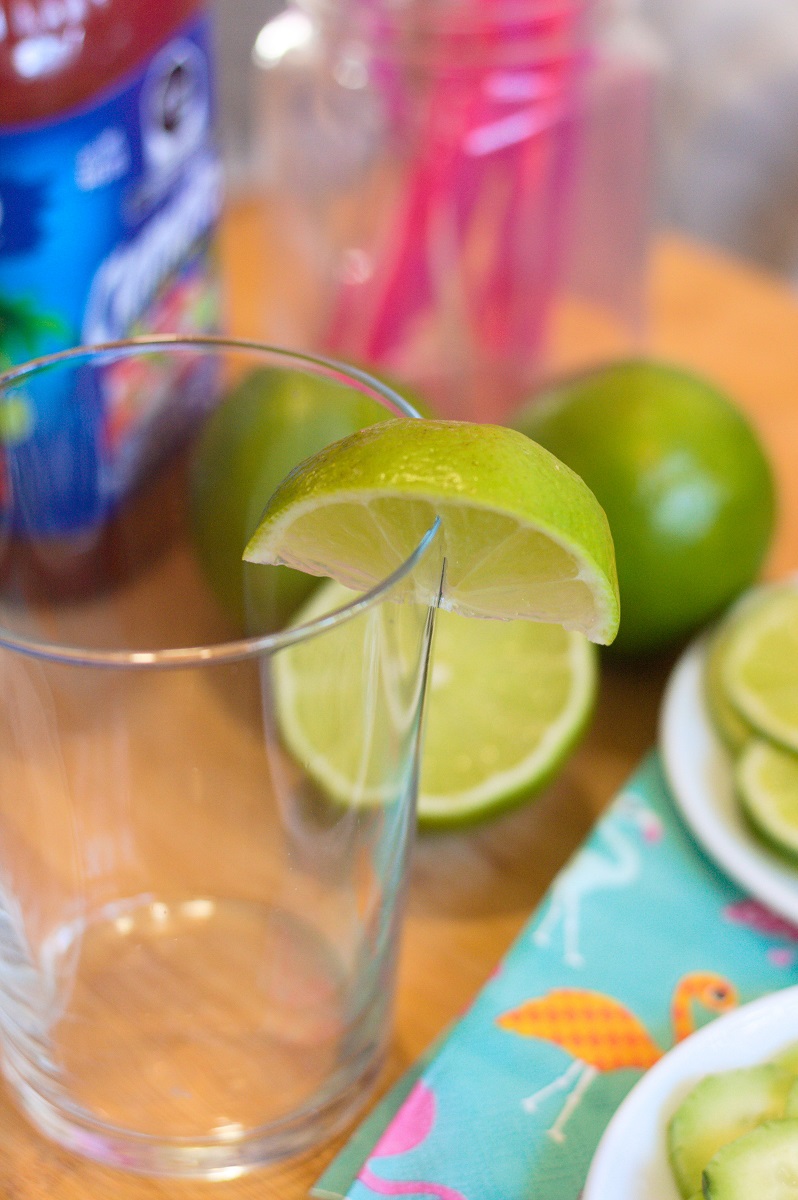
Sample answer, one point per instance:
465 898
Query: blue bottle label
107 218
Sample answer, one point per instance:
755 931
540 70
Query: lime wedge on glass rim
522 536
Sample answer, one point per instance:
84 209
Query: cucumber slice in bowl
631 1161
760 1165
788 1059
718 1110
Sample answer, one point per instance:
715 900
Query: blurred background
727 169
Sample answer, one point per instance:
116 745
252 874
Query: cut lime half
523 536
507 701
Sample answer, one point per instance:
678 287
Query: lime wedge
507 701
759 669
767 782
523 535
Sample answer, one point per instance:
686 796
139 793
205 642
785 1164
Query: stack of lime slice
527 546
752 696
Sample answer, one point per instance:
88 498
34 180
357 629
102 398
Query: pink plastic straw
485 194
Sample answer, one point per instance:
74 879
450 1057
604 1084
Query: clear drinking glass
197 941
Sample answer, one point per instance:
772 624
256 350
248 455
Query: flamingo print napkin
639 940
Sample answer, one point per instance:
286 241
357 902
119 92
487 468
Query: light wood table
471 892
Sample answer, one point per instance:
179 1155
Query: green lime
268 423
522 534
759 667
507 702
684 481
767 784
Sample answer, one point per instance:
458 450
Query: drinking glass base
224 1157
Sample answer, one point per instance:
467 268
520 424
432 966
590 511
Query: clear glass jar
418 162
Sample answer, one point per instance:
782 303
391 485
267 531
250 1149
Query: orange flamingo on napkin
601 1034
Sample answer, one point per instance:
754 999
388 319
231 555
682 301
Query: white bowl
631 1162
699 771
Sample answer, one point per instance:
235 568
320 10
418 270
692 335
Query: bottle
110 191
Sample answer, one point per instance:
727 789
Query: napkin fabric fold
639 941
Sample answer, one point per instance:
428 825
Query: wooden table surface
471 892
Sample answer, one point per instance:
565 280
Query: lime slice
733 729
767 782
523 535
760 666
507 701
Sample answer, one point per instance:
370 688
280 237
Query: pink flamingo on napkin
411 1125
755 916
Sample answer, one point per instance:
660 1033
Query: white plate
631 1162
699 772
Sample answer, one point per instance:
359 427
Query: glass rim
330 366
233 649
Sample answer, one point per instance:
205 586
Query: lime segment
523 535
507 701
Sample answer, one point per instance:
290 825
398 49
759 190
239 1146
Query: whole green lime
683 479
270 421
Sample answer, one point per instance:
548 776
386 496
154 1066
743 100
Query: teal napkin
639 940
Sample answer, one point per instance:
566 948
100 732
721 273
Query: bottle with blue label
110 192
